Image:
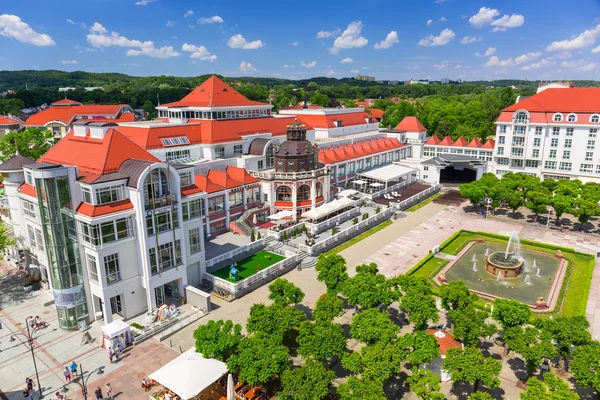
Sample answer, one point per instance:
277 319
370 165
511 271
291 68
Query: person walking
30 385
73 368
67 375
27 394
98 393
118 354
109 392
110 355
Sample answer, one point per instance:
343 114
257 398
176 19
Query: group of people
28 391
109 392
35 322
70 372
116 354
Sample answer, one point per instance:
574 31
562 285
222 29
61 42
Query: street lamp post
29 337
82 380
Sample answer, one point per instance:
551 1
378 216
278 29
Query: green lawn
576 286
357 239
247 266
424 202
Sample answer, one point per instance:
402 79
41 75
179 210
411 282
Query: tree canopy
285 293
259 359
331 270
470 365
31 143
511 313
218 339
585 366
372 325
368 289
321 340
327 308
551 388
360 389
309 382
274 320
425 384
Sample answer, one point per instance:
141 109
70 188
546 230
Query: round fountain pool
505 264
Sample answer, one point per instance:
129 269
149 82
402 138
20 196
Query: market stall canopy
281 214
329 208
189 374
348 192
115 328
391 172
359 182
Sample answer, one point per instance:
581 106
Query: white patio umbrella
230 388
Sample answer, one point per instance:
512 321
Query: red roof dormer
411 124
475 143
433 141
460 142
447 141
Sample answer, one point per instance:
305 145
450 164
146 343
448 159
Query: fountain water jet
527 280
475 266
537 273
487 251
474 258
508 263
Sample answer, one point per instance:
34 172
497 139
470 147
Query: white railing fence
392 188
279 234
404 204
234 255
331 222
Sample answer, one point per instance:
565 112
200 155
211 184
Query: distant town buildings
87 89
445 81
365 78
414 82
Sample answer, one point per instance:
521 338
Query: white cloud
308 65
442 65
442 39
470 39
581 65
489 52
144 2
512 21
596 50
390 40
328 34
294 44
199 52
440 1
429 22
215 19
485 16
585 39
188 13
442 19
565 55
174 37
350 38
12 26
330 73
70 21
525 58
495 62
247 67
239 42
545 62
347 60
354 71
289 66
69 62
99 37
170 23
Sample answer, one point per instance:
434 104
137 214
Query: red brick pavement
138 362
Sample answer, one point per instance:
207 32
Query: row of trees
517 190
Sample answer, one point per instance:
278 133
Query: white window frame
92 268
113 273
558 117
195 240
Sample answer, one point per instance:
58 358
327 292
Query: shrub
252 237
355 221
284 235
258 236
333 231
363 203
377 210
136 326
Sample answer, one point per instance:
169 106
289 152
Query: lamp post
29 337
82 380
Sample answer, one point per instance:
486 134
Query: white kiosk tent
117 329
388 175
281 214
189 374
327 209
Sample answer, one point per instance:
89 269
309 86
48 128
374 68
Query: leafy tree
394 114
418 301
561 205
368 289
7 237
472 191
551 388
331 270
456 296
252 237
274 320
511 313
31 143
481 396
320 99
585 366
376 361
259 359
372 325
423 348
327 308
218 339
470 365
284 292
470 325
312 381
584 209
514 201
360 389
531 343
321 340
11 106
568 332
370 269
537 202
425 384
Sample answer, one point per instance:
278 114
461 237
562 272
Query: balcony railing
160 201
271 175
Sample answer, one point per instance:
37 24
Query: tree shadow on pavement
517 365
395 387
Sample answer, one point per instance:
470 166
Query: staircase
306 261
243 225
400 214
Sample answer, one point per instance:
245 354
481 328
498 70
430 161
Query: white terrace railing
393 188
260 243
404 204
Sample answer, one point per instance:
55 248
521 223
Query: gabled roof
240 175
433 141
489 144
445 340
460 142
447 141
475 143
10 120
27 189
375 112
149 137
351 151
214 93
411 124
96 156
66 102
561 100
15 163
65 114
325 121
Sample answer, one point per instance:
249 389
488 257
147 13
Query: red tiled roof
447 141
234 130
346 152
222 179
375 112
327 121
97 211
66 102
475 143
489 144
433 141
150 137
96 156
66 114
461 142
561 100
28 190
214 93
410 124
9 120
206 185
445 342
192 189
240 175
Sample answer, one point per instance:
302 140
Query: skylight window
175 141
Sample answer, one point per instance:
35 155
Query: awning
348 192
281 214
115 328
387 173
329 208
376 184
189 374
359 182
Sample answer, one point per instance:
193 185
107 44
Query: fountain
475 266
510 263
474 258
487 251
527 280
534 263
538 272
499 277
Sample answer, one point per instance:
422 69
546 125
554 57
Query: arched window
572 118
284 193
269 155
595 118
521 117
319 188
156 185
303 193
557 118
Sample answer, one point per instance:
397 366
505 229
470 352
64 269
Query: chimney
99 129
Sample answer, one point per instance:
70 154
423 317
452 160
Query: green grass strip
358 238
424 202
248 266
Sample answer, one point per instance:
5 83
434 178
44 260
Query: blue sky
399 39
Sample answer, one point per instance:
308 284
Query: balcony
161 201
272 175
